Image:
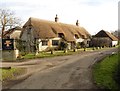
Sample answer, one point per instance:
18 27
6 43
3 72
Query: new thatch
103 33
50 29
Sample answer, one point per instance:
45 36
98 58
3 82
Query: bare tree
7 18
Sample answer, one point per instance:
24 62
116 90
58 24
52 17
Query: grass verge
105 72
9 74
48 54
56 53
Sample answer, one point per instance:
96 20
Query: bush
63 45
78 45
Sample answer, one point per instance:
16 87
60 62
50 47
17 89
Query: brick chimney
56 18
77 23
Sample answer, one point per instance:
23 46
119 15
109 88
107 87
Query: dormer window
61 35
76 36
8 37
83 36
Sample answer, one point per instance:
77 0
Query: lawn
9 74
105 72
48 54
57 53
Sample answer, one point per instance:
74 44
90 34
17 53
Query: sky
93 15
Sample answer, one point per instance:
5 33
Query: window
61 35
29 30
88 42
83 36
44 43
76 36
55 42
8 37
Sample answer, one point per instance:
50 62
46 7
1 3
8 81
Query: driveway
65 72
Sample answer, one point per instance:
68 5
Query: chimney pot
77 23
56 18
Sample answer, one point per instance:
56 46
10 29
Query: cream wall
79 40
42 48
114 43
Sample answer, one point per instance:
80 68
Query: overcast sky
93 15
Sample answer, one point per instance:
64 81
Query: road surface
75 72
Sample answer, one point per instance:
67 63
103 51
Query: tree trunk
65 50
3 29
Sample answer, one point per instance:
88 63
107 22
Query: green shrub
63 45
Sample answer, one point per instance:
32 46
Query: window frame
55 42
44 42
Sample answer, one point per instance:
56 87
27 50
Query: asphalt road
75 72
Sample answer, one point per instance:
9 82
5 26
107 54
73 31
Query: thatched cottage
50 33
104 38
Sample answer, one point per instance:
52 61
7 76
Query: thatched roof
103 33
50 29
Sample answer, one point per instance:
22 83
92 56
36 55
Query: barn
104 38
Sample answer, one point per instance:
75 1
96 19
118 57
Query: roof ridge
33 18
111 36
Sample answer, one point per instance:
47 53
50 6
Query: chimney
77 23
56 18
